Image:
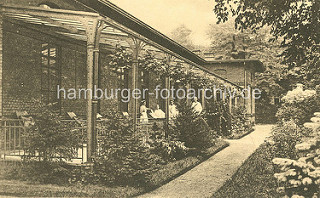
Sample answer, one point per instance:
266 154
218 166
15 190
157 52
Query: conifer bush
192 128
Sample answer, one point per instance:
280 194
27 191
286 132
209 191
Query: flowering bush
301 177
298 95
285 137
299 106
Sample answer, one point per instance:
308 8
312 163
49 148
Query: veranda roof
73 25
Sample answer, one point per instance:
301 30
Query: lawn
253 179
163 175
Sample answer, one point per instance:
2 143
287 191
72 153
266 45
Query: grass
253 179
165 174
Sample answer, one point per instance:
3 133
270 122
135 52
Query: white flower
307 181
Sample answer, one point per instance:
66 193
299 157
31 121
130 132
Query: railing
11 138
12 143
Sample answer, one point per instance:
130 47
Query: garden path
210 175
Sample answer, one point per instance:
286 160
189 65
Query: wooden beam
47 34
69 28
1 61
56 13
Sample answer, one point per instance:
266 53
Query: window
50 73
144 82
123 76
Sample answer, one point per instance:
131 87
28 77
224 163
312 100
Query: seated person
158 113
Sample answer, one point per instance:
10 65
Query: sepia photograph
160 98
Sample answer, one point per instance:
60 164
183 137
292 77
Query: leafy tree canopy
296 22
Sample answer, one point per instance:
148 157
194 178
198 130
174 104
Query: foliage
302 176
192 128
121 58
218 117
122 159
164 67
285 136
169 149
238 121
45 172
181 35
295 22
299 106
50 137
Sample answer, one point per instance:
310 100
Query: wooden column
203 101
230 104
91 31
167 86
136 47
1 61
95 102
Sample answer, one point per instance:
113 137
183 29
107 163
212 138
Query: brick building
67 43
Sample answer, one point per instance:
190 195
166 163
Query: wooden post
203 101
136 46
230 104
100 27
91 38
1 61
167 86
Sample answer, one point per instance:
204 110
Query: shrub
50 137
285 137
122 159
238 121
192 128
218 117
301 177
45 172
299 109
167 148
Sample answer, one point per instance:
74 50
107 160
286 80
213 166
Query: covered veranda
98 33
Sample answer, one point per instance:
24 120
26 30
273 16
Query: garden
123 165
287 164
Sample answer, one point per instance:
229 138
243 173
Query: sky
166 15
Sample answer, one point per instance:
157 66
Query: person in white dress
143 113
196 106
173 111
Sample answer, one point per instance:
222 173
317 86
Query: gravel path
209 176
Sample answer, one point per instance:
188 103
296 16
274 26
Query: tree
295 22
181 35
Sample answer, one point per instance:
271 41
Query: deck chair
25 117
73 116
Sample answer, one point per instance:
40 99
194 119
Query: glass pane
53 52
45 52
44 45
44 61
45 79
53 80
52 63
